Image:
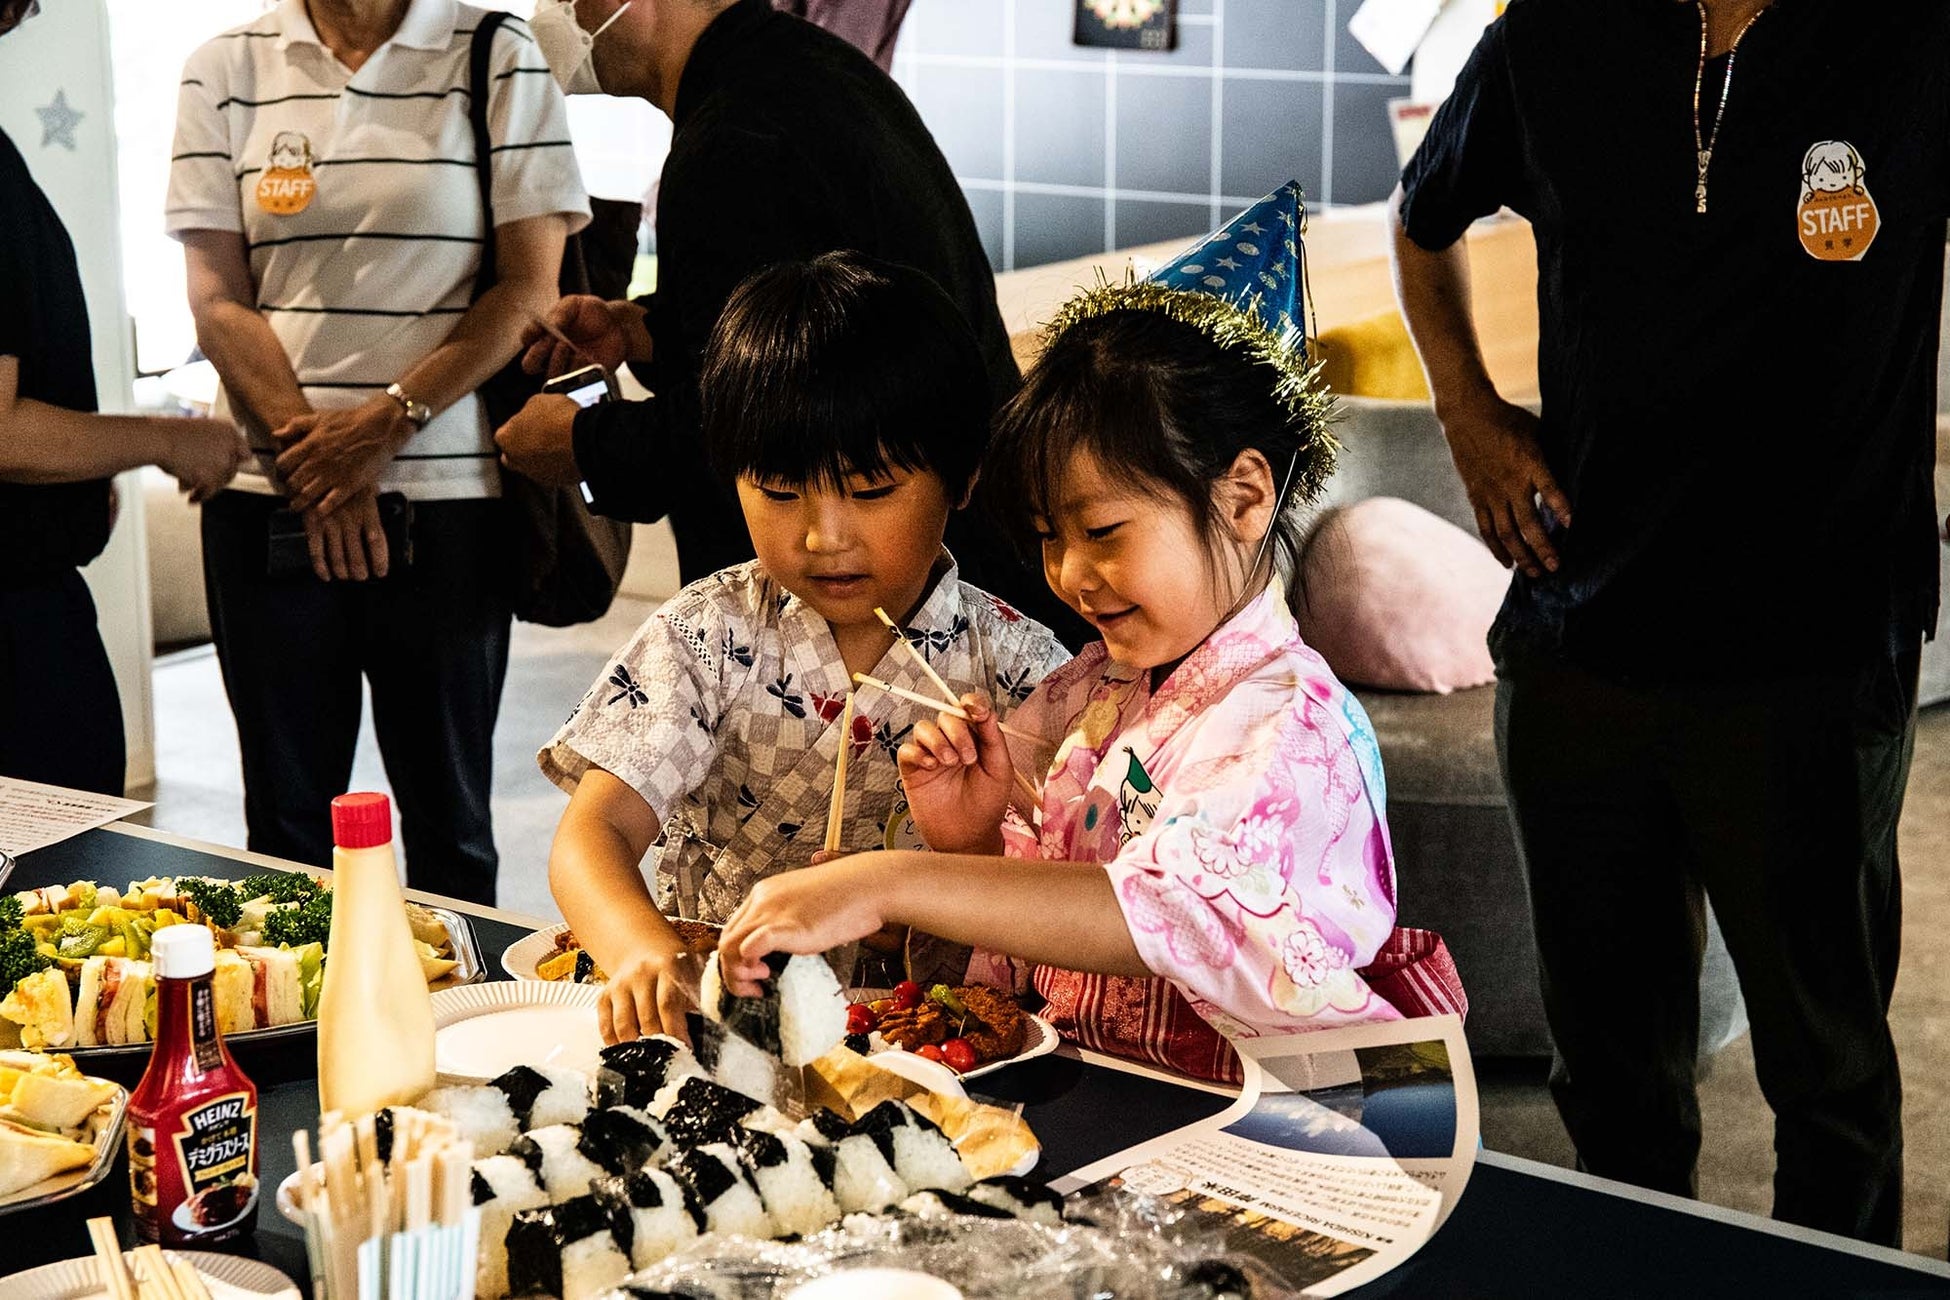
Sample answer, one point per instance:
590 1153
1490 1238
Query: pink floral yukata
1239 812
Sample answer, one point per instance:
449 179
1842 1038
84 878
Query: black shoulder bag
567 562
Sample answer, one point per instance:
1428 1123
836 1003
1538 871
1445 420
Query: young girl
1212 856
849 401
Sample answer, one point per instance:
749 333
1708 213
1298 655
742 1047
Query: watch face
1127 24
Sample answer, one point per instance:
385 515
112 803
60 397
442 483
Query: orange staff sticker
1836 219
286 187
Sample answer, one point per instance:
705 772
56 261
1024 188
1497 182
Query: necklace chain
1703 142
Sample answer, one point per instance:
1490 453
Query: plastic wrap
1113 1246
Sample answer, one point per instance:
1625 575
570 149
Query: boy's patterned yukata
1239 812
722 710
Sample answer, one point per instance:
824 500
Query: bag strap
478 83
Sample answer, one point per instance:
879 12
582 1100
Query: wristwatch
418 414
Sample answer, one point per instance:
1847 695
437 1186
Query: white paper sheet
1392 29
33 816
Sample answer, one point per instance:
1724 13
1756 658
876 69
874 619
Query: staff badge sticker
286 187
1837 218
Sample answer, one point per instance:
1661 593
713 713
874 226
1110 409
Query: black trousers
431 641
60 714
1779 801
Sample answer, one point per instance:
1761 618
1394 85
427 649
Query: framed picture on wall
1128 24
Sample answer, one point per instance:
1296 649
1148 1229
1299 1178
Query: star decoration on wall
58 121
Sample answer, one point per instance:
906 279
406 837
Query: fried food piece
700 937
1002 1028
924 1025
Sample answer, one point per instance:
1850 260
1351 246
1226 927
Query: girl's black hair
1158 404
845 364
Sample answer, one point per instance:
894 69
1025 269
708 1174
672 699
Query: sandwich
111 1007
235 986
277 989
56 1099
42 1005
28 1156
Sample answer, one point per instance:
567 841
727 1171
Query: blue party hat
1244 287
1254 263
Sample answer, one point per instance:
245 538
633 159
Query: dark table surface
1516 1232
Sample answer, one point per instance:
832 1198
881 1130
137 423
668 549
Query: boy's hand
805 911
958 776
649 995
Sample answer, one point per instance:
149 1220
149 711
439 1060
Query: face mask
568 49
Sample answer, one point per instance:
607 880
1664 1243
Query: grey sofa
1456 857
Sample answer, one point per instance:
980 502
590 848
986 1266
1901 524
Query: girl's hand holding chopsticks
959 777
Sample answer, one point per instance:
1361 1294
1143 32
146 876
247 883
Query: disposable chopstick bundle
836 811
403 1228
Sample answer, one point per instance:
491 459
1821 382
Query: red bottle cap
362 821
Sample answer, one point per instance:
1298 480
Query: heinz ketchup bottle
193 1118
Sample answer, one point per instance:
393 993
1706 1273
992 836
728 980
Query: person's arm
257 375
41 443
595 874
637 457
1059 913
329 457
1470 164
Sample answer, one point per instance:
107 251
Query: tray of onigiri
582 1178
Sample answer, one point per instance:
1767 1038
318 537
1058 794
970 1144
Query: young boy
848 399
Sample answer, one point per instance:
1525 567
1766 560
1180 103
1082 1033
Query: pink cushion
1396 598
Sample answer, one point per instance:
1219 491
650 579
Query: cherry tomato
881 1006
929 1052
907 995
959 1055
860 1019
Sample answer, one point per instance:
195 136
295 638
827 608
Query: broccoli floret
19 958
221 903
279 886
309 922
10 912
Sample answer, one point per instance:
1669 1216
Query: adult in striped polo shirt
323 183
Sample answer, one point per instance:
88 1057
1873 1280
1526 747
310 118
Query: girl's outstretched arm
1060 913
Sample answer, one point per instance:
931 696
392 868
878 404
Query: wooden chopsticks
836 810
162 1278
955 710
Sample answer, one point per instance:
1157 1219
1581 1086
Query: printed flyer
1345 1151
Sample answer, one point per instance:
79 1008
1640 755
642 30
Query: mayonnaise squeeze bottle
375 1015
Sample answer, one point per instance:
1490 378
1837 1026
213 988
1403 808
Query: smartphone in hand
586 387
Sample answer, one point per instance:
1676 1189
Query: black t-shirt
788 143
1739 403
44 323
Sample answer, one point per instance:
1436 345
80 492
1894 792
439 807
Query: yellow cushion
1373 358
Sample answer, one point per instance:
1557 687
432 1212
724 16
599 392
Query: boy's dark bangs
832 368
811 425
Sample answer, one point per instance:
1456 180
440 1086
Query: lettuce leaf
311 976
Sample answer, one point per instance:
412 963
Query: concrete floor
199 793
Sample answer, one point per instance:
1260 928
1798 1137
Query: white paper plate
521 957
229 1277
480 1031
526 953
1039 1038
